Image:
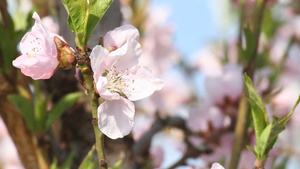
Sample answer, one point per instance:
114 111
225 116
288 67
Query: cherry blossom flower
228 84
120 80
39 52
200 117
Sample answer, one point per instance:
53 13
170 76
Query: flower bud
65 54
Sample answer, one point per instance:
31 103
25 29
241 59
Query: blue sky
194 23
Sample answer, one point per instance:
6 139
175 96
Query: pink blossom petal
116 117
141 83
41 67
233 81
39 27
214 89
126 56
119 36
216 166
99 61
39 59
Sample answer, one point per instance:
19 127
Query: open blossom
119 80
39 52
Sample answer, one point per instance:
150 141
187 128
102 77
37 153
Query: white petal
141 83
105 93
119 36
99 61
116 117
216 166
126 56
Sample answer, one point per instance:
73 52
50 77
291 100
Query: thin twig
84 66
242 119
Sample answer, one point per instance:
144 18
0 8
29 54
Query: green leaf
25 108
259 113
270 24
60 107
117 165
68 162
286 119
251 149
88 162
8 49
84 15
54 164
268 138
250 40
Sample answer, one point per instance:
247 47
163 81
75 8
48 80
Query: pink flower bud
65 53
38 59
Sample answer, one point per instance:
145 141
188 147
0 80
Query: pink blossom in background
198 163
200 117
119 80
220 151
50 24
159 52
210 59
285 100
169 100
293 61
229 84
208 63
172 143
142 123
261 79
38 59
9 158
156 155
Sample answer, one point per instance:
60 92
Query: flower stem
259 164
243 113
84 66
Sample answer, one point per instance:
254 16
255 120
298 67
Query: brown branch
16 126
5 15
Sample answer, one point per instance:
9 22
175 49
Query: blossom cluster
118 77
120 80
